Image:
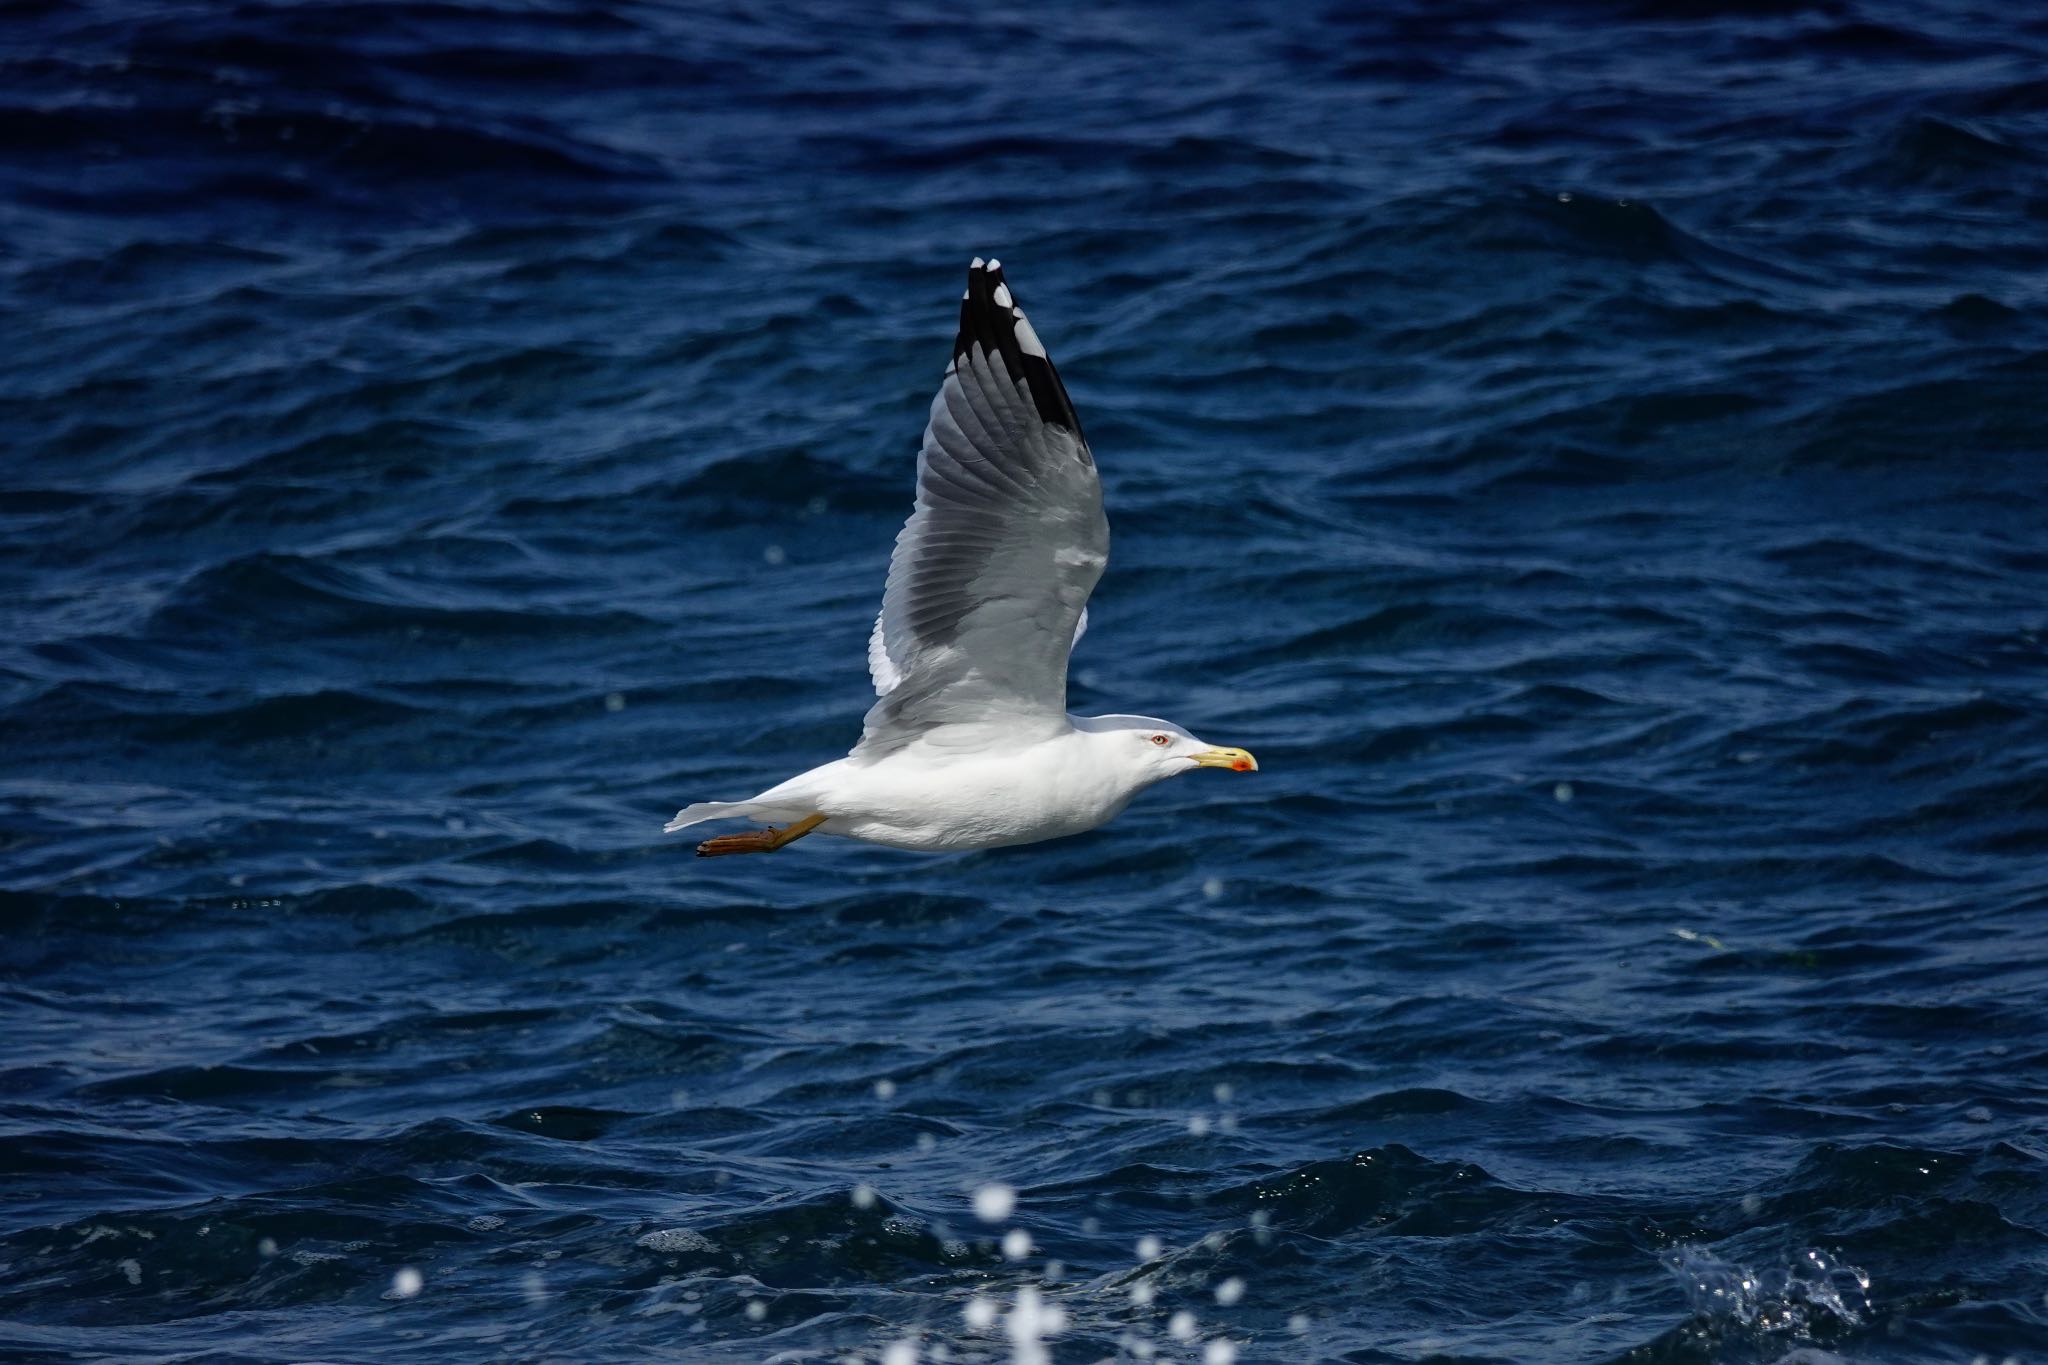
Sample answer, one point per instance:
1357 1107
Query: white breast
931 798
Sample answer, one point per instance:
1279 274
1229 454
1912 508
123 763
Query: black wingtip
991 318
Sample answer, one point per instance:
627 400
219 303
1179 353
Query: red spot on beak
1243 765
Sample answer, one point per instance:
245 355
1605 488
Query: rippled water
1594 460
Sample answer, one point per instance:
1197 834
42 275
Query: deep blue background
1595 459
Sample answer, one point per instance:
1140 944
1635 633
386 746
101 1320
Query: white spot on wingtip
1003 296
1027 339
976 265
994 264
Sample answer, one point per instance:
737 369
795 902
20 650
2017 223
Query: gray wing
882 668
992 572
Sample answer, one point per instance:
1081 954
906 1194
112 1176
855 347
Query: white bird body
935 797
969 744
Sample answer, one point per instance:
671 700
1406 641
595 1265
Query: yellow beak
1237 760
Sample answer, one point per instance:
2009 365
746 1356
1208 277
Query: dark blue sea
1594 454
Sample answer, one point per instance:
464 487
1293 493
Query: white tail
758 811
706 810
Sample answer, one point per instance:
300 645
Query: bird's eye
1159 739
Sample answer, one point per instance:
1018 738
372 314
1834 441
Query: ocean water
1594 456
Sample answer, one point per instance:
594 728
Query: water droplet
863 1196
1219 1352
994 1201
1230 1291
885 1089
406 1283
1016 1244
1562 791
980 1313
615 701
757 1309
774 554
1181 1326
1148 1248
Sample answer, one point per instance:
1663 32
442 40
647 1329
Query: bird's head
1159 748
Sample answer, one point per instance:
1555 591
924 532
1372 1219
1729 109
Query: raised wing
992 572
882 669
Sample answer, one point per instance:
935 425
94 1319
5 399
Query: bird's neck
1103 755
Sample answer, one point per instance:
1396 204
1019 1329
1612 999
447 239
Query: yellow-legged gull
970 744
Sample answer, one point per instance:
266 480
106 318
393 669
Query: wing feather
988 587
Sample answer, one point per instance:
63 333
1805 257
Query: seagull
969 744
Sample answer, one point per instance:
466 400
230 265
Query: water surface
1593 460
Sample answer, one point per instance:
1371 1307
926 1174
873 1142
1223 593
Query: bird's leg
759 840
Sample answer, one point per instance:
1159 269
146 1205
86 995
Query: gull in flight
969 744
